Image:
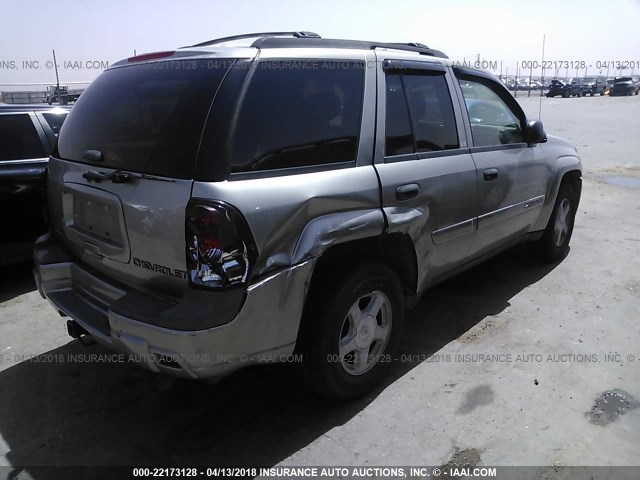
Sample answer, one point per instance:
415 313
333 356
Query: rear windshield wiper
118 176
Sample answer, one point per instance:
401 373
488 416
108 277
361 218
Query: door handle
407 192
490 174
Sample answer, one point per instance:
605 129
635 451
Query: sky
88 35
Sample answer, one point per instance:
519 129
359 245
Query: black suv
574 87
625 86
595 85
27 135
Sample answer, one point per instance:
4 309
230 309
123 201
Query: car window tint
299 113
398 137
19 139
55 121
432 116
146 118
492 121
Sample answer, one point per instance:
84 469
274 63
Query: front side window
492 121
419 114
19 139
299 114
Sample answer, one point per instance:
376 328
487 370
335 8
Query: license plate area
97 219
94 222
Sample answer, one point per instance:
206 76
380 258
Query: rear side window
399 139
145 118
432 116
19 139
298 114
419 114
55 121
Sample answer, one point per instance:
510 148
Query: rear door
428 177
23 160
121 177
511 175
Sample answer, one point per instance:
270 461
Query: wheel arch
568 170
395 250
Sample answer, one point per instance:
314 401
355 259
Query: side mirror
534 132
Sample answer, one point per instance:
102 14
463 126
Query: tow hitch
76 330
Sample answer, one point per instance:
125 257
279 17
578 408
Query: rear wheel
352 332
554 243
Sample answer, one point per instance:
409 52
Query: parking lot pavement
503 365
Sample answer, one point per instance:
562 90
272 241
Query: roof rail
300 34
411 44
310 42
410 47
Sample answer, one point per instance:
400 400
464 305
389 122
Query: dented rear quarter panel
296 217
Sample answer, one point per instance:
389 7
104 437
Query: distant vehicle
609 85
595 85
556 87
574 87
27 135
62 95
510 83
625 86
535 85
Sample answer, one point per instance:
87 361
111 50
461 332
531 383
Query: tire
580 93
566 94
554 244
342 359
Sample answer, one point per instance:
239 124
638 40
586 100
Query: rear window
146 118
298 114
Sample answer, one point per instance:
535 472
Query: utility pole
55 64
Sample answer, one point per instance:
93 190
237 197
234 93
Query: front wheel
353 332
554 243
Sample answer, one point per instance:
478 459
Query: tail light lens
220 246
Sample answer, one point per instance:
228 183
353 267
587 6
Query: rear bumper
263 331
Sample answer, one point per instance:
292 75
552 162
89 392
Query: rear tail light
220 246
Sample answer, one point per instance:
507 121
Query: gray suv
279 196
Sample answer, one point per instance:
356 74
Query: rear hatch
121 176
